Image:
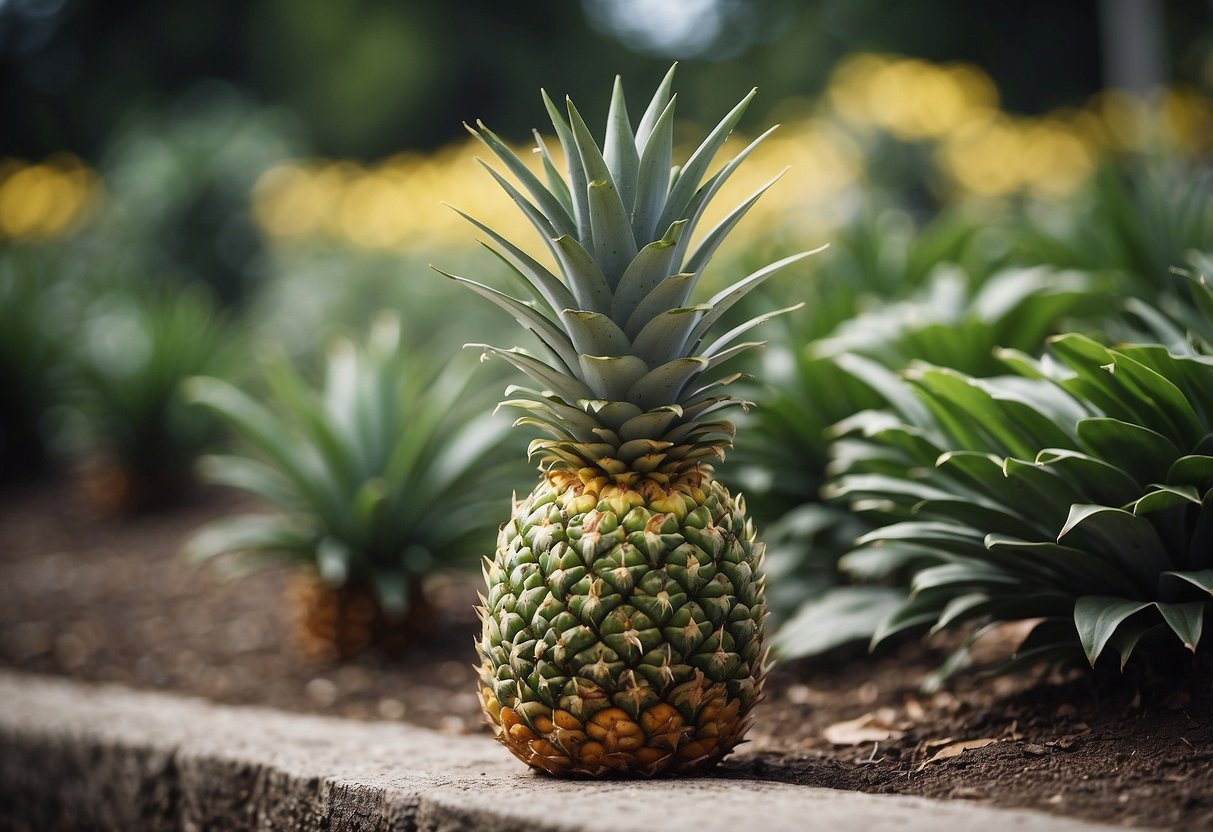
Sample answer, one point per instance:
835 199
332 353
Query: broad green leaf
1065 566
960 609
885 382
664 337
1185 620
248 532
1097 618
944 536
1040 492
656 159
1101 481
1169 407
1201 579
917 612
838 616
963 576
656 108
594 334
1194 470
1144 454
1163 497
1128 636
1122 537
879 561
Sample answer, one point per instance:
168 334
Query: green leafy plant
134 347
877 258
1138 218
1077 491
391 470
1183 321
947 321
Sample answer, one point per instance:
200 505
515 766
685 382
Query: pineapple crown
628 385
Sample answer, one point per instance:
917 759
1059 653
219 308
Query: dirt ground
109 600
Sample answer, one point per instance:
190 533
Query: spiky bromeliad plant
1078 491
379 478
623 624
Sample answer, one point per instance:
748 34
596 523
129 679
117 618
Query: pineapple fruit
623 625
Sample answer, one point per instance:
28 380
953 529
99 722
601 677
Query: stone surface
74 756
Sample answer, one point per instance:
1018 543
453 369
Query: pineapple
623 626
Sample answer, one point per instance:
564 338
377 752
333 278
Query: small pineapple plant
1077 492
134 346
381 477
623 625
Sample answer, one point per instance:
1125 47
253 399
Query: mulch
108 599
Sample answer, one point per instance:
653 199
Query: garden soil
111 600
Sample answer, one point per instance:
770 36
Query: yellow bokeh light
45 200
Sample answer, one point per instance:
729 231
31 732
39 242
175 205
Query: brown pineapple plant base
109 488
332 623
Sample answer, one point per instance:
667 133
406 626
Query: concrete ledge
76 756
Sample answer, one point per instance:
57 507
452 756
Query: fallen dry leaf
873 727
956 749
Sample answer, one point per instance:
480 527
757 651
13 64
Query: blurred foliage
122 413
178 187
309 294
1139 218
372 76
34 324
